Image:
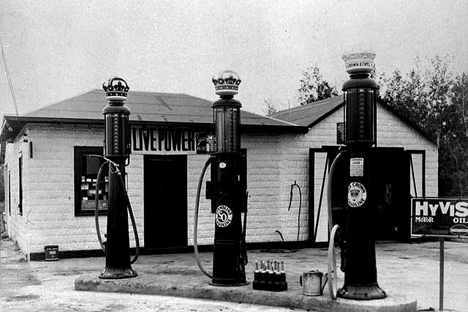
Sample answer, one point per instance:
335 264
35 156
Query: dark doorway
165 201
390 189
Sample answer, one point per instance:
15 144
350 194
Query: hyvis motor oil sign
439 216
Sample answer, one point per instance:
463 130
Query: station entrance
165 202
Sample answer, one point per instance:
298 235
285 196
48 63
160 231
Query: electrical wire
291 194
10 82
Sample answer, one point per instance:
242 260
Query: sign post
439 217
441 274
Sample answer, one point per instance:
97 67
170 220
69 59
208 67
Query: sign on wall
439 216
167 140
340 133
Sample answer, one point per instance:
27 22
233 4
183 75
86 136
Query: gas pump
116 151
360 94
227 188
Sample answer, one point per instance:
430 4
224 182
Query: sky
56 49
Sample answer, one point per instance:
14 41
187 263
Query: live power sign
439 216
163 140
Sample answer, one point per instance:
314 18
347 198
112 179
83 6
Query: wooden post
441 271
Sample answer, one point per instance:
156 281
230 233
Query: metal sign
163 140
340 133
356 167
357 194
439 216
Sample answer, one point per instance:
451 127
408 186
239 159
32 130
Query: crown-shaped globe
116 89
226 83
361 62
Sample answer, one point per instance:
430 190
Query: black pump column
117 149
360 94
228 187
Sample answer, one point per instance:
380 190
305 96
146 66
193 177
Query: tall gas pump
360 95
117 152
228 192
227 188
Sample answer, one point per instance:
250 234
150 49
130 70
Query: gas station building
50 182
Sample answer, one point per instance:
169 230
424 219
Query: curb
172 286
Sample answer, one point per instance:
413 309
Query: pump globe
226 83
116 89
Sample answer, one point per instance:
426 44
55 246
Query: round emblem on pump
223 216
357 194
222 165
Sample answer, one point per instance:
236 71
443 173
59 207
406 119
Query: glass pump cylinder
360 112
226 114
117 138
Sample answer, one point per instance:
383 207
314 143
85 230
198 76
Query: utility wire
10 82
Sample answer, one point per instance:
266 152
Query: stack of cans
270 276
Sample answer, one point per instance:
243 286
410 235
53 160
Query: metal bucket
311 283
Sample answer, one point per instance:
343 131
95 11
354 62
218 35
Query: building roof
311 114
146 108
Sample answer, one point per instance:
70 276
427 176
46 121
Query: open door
165 201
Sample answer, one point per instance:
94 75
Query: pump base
117 273
229 284
361 292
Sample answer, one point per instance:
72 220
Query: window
86 171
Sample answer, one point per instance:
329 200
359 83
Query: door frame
183 221
332 151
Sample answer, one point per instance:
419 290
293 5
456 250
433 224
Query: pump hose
195 223
128 205
96 207
291 194
329 191
299 212
332 276
132 219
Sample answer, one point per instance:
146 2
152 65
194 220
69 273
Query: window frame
79 156
20 183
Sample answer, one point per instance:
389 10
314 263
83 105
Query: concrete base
186 284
